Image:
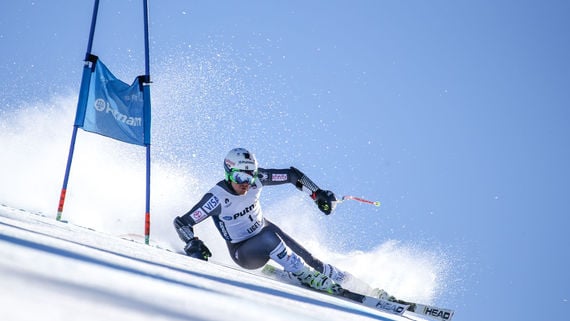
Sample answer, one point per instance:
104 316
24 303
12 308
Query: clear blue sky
455 114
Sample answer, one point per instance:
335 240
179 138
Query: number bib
240 217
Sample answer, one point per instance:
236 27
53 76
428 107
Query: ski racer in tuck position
233 204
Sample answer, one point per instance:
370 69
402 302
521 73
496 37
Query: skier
233 204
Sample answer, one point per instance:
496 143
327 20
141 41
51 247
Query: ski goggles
239 176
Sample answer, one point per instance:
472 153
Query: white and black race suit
249 236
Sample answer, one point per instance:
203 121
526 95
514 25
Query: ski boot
335 274
317 280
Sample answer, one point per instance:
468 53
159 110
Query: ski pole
358 199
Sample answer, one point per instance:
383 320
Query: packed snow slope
59 271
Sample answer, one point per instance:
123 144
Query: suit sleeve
209 205
287 175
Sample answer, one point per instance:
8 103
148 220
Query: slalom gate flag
112 108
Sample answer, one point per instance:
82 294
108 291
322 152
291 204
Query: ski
397 307
433 312
378 304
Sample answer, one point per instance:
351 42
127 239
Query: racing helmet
240 166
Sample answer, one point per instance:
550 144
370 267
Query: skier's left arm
325 199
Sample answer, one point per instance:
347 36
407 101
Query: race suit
249 236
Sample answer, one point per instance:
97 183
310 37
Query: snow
60 271
106 194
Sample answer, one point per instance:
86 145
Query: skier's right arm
183 225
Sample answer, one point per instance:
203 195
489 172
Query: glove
197 249
326 201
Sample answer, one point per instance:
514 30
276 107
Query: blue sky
454 114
